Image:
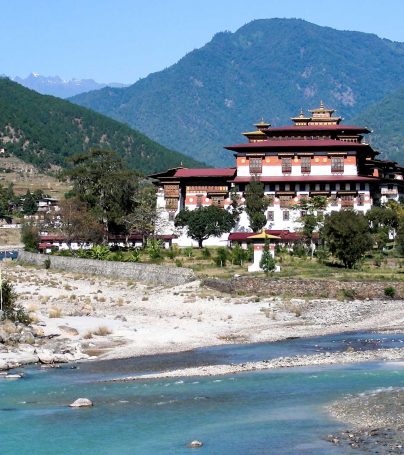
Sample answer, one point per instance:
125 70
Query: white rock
195 444
81 403
13 376
45 355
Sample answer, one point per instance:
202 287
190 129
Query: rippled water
271 412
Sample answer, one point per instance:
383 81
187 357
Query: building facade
315 156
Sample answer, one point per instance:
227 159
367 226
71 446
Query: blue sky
124 40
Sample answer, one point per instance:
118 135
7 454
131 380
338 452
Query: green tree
30 237
29 205
235 206
102 180
267 262
347 235
142 218
312 217
255 204
381 221
10 309
7 198
205 222
78 222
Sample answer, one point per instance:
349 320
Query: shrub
55 313
178 263
172 252
267 262
390 292
238 255
12 310
47 263
221 256
116 256
299 250
377 260
102 331
349 294
188 251
154 249
322 253
99 252
134 255
30 238
206 253
64 253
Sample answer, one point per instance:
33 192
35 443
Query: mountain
44 130
386 119
268 68
54 85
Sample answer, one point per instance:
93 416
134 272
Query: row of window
337 165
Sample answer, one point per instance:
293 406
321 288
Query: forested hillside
45 130
268 68
386 119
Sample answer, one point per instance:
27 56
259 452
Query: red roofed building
317 155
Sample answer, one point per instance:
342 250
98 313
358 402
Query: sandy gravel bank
78 315
376 420
281 362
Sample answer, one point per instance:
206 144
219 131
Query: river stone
81 403
195 444
68 330
38 331
27 338
45 356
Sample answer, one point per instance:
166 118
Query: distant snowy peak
56 86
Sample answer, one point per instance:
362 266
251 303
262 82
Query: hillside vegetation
44 130
269 68
386 119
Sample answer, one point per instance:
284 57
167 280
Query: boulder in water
81 403
195 444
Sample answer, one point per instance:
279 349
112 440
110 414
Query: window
255 165
218 201
347 200
171 203
361 199
286 165
285 215
337 164
306 165
285 201
270 215
333 200
199 200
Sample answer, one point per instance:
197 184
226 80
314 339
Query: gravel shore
78 316
376 419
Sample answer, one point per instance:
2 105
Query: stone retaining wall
149 273
284 287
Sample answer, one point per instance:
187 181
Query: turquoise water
272 412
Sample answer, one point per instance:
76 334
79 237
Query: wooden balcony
389 192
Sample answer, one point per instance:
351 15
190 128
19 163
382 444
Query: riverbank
79 316
376 419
